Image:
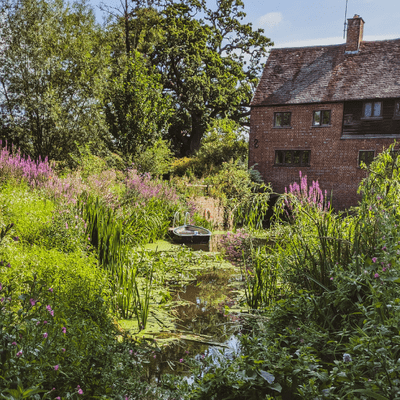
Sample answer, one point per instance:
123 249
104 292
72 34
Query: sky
295 23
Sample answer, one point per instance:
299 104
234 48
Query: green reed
111 235
261 277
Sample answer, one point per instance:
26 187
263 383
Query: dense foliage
330 281
150 73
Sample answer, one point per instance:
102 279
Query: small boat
190 234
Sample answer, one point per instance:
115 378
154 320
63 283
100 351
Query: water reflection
204 327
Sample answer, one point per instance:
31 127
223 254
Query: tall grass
261 276
112 236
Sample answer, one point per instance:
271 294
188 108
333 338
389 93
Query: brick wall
334 161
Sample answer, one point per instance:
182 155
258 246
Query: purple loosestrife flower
45 335
376 275
64 329
14 343
63 350
374 259
19 354
33 302
56 367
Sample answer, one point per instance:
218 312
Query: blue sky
292 23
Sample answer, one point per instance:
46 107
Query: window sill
321 126
371 118
282 127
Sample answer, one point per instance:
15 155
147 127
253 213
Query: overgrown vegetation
71 265
326 300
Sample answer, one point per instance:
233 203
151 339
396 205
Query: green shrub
157 160
30 212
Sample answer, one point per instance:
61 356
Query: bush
30 212
156 160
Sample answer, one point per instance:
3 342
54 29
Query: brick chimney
355 29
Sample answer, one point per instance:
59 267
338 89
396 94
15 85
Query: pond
202 321
202 315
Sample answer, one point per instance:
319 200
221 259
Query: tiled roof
326 73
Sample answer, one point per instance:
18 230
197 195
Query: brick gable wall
334 160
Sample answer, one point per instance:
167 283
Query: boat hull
191 234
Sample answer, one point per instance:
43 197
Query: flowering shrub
236 246
306 196
141 187
15 166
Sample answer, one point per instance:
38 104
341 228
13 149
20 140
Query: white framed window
372 109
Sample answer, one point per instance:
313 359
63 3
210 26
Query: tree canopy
53 63
156 71
210 63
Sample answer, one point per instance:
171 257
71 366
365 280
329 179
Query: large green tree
209 60
53 65
137 112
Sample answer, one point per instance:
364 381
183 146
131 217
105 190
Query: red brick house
324 109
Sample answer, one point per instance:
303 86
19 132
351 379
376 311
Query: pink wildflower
80 391
45 335
64 329
19 354
181 360
374 259
33 302
63 350
56 367
376 275
14 343
51 290
383 269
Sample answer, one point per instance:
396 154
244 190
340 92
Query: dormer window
322 118
282 119
372 109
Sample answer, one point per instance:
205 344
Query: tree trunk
198 130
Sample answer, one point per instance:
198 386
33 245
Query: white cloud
269 20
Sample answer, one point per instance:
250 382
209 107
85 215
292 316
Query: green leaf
267 376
